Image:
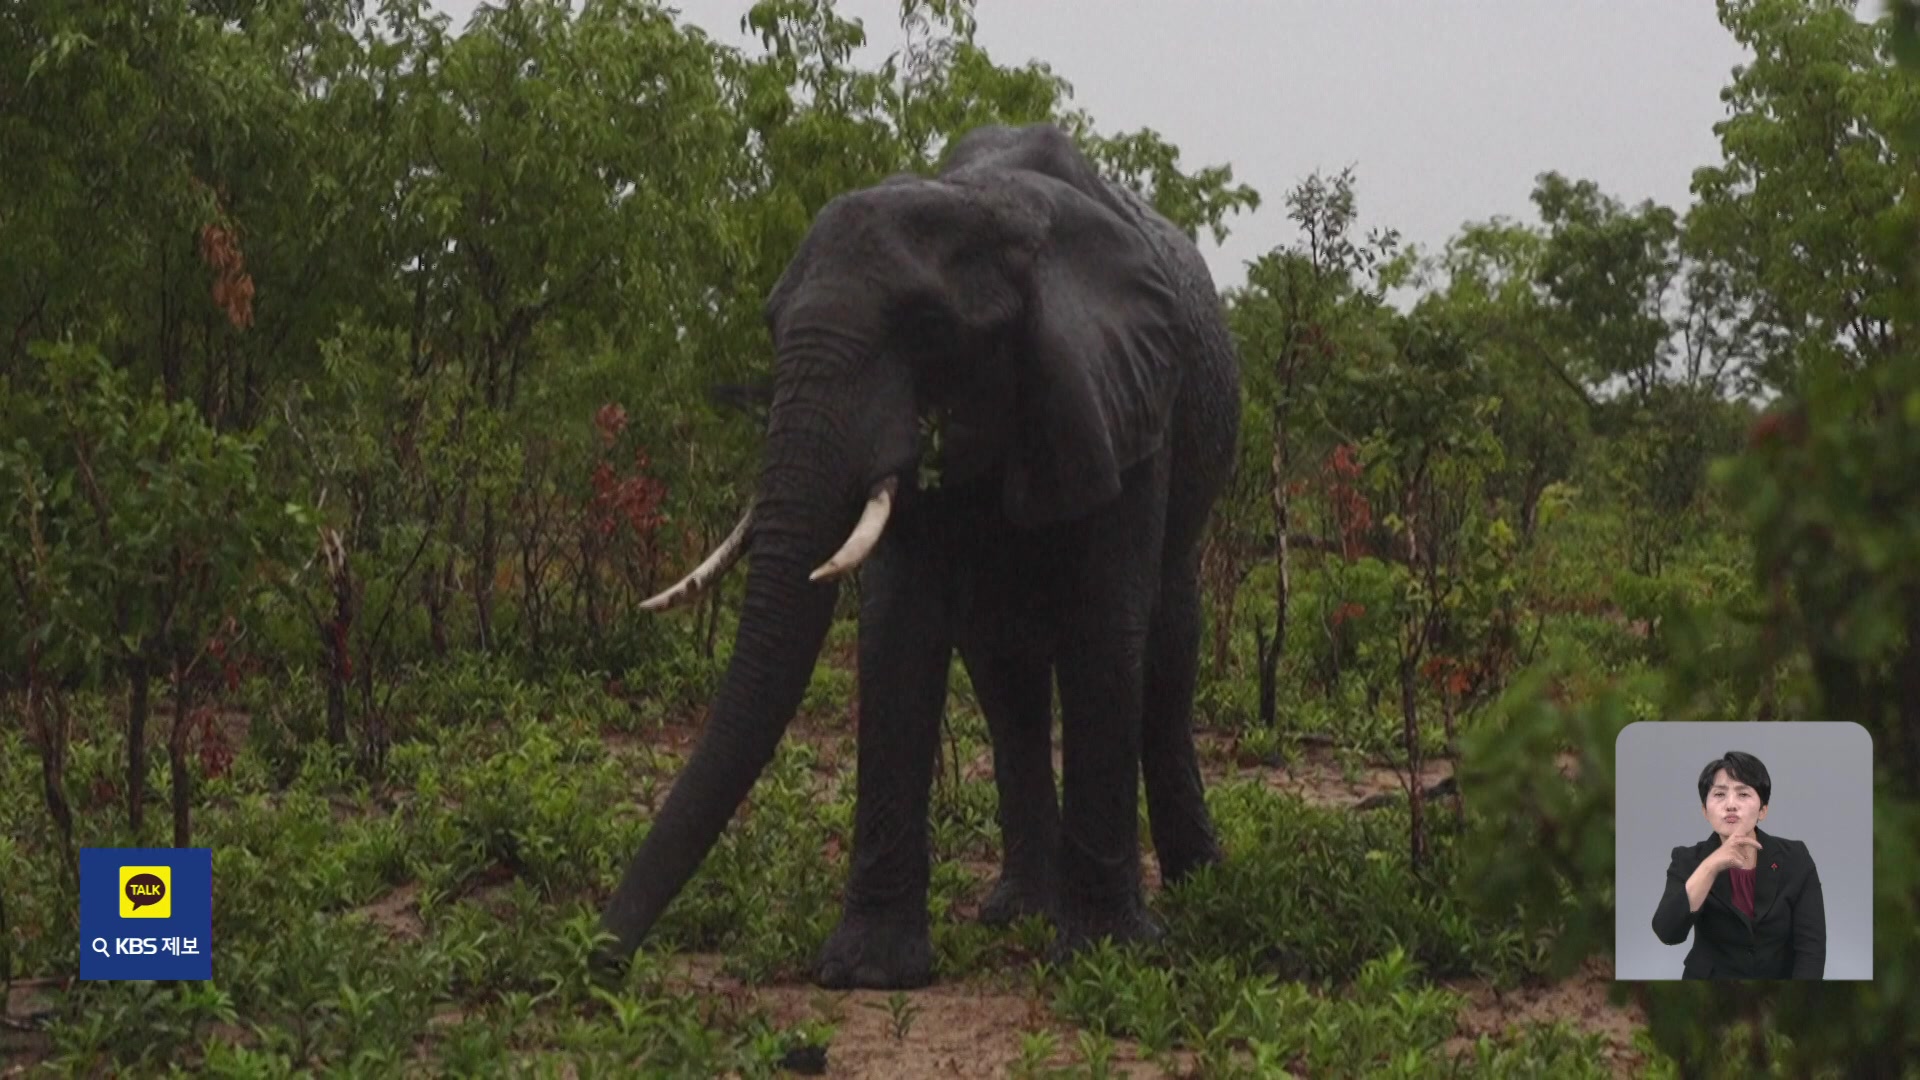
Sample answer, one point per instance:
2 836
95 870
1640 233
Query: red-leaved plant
629 496
1352 513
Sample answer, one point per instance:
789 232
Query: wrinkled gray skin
1072 344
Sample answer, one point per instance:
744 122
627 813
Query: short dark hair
1742 767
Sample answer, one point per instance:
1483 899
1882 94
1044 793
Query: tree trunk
1532 489
139 679
486 559
532 595
590 582
1410 730
46 719
1909 730
435 590
170 353
1223 569
431 593
440 583
1282 583
177 755
1336 658
338 665
1264 672
336 691
373 721
1226 605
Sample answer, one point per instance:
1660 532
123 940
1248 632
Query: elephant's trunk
805 508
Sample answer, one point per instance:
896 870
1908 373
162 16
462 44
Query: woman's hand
1732 851
1738 850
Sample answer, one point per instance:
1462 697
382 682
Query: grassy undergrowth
438 920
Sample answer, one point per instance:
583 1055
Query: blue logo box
146 913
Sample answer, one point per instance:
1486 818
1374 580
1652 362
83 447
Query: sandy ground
956 1029
966 1029
1580 999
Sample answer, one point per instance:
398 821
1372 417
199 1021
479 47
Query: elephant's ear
1101 368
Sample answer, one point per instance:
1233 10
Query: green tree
1824 491
1416 418
1303 308
1809 182
1608 273
1638 321
138 531
1491 297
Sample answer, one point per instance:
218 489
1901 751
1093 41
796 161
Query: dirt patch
398 913
674 740
23 1043
975 1028
28 998
1639 628
21 1052
1326 783
954 1029
1317 775
1580 999
831 739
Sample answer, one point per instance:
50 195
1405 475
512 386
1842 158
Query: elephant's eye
926 324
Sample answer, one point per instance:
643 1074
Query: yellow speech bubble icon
146 892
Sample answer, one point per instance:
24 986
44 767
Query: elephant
1067 344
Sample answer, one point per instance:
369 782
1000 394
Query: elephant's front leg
883 939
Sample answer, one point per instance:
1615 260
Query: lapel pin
1776 866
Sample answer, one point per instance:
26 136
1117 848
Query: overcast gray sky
1448 109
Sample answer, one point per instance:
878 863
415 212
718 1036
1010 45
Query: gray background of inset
1822 795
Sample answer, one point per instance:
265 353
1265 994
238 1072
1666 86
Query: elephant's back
1205 430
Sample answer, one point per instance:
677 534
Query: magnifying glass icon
100 946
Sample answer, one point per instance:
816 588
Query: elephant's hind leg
1100 682
1183 836
1016 695
1098 662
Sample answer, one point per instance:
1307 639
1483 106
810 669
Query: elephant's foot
1081 929
1179 864
607 965
1015 897
877 951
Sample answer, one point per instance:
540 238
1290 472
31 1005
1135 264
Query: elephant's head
1014 292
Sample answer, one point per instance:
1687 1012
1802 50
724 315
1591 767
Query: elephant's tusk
866 533
710 570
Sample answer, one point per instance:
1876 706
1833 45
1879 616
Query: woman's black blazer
1785 939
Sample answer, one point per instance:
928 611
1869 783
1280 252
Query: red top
1742 889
